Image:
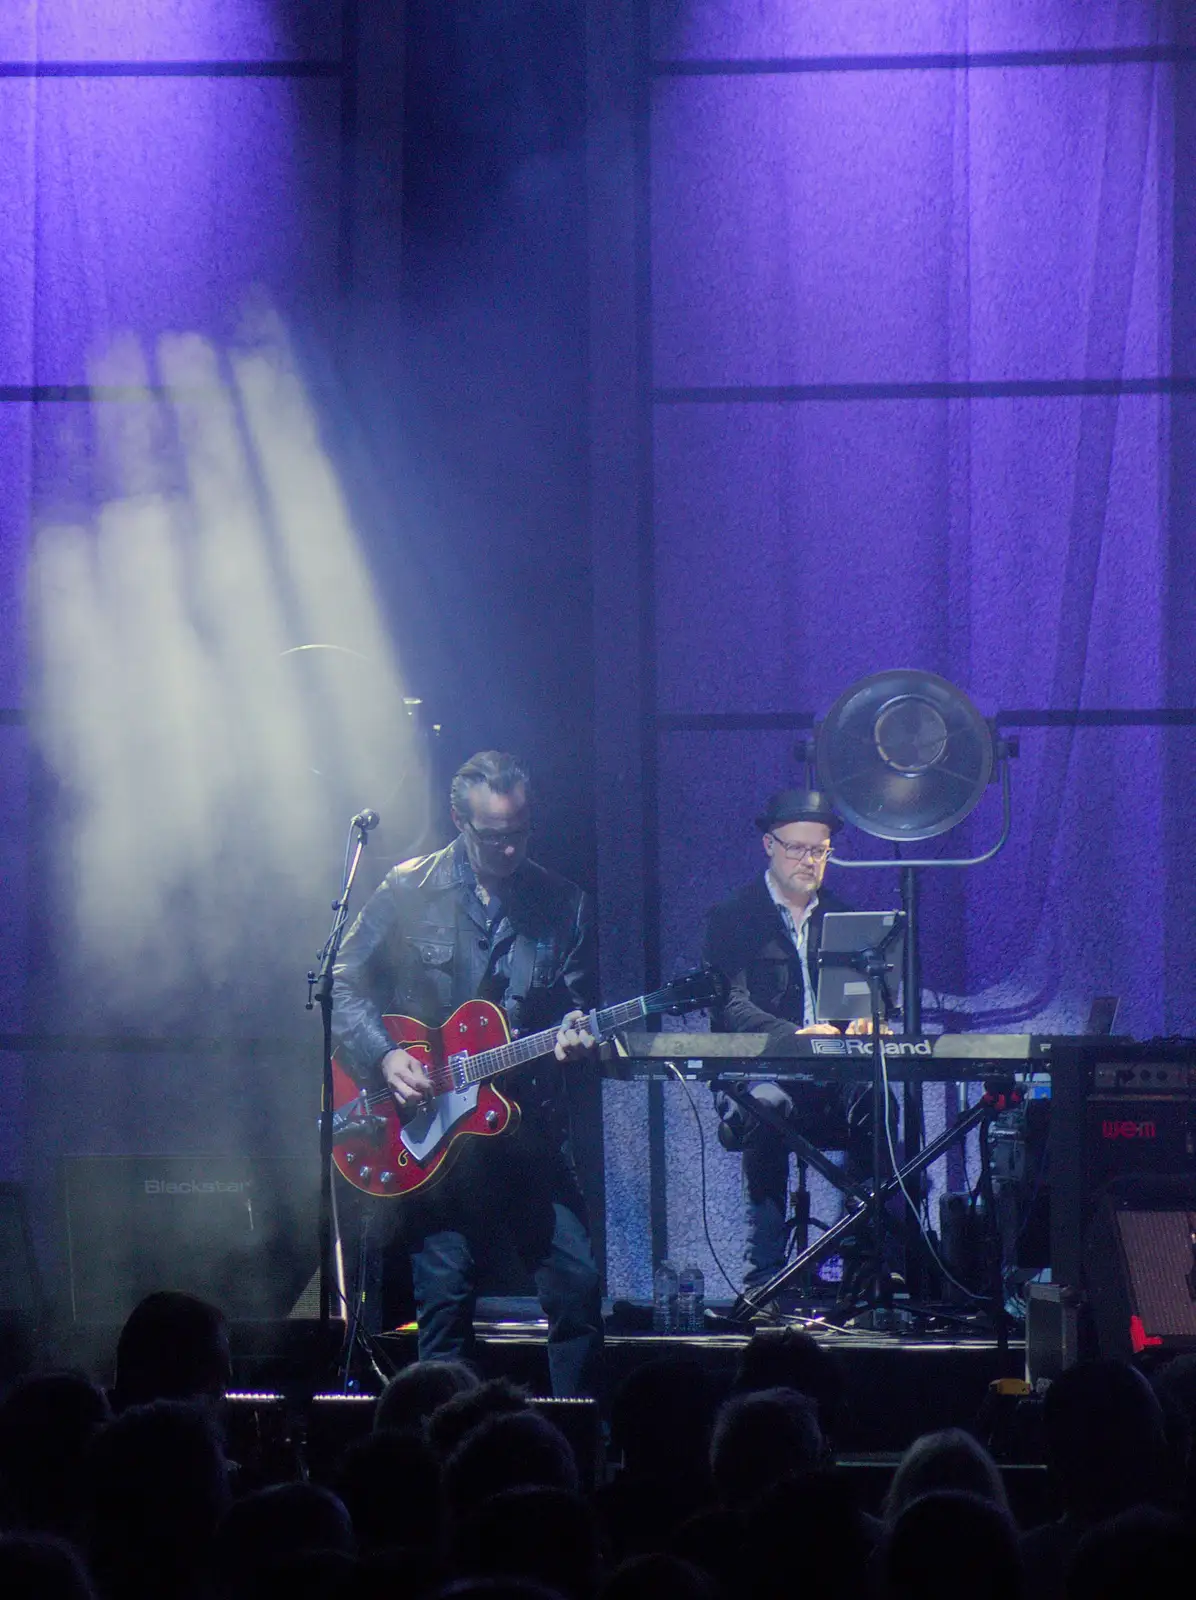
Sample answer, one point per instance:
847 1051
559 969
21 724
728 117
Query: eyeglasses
499 840
815 854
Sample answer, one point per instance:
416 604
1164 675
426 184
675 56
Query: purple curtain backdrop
131 202
163 161
876 294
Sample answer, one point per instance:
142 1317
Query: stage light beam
205 784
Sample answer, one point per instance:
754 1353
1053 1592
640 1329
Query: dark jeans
510 1196
443 1271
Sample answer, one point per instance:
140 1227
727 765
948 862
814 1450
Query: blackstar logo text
196 1186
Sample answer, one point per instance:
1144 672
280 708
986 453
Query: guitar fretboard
502 1057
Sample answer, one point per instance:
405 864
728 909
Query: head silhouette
951 1459
1106 1440
949 1544
172 1347
760 1438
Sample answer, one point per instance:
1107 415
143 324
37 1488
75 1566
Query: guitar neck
528 1047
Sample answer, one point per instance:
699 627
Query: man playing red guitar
480 920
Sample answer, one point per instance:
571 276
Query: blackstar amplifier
239 1231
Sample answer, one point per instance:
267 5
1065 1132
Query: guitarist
480 919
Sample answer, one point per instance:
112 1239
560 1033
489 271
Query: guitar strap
523 964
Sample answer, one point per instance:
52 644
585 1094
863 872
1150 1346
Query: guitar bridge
371 1129
356 1121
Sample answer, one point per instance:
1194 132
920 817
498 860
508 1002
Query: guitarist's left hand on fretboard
574 1042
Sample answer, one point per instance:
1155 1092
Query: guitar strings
499 1058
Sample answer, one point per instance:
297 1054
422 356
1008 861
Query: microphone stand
319 993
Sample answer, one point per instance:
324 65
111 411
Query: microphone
365 820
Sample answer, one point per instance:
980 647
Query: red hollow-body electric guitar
384 1154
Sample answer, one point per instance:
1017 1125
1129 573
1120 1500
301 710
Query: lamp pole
912 975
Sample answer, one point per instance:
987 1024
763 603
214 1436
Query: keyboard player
765 938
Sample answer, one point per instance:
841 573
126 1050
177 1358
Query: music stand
841 996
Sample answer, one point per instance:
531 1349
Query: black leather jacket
422 945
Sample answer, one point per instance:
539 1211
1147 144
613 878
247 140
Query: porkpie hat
797 805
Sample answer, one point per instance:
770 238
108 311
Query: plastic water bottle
664 1298
691 1297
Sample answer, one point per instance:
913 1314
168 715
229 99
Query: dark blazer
746 939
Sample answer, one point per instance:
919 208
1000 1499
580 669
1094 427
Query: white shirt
799 932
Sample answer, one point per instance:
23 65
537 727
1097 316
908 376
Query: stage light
904 755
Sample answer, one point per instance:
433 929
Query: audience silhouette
173 1347
413 1394
45 1425
1107 1452
950 1543
464 1491
951 1459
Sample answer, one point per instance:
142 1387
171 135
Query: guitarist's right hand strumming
406 1079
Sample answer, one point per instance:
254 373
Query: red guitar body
382 1154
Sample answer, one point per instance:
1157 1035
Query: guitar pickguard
435 1120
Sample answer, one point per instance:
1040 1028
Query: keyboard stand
737 1089
752 1301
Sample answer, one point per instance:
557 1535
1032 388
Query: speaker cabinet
239 1231
1140 1265
1129 1134
21 1304
20 1285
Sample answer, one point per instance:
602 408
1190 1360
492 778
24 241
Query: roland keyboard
929 1057
1081 1067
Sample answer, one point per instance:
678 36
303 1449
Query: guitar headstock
693 991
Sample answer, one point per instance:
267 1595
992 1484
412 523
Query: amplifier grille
1158 1251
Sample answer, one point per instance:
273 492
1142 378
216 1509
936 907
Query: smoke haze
216 689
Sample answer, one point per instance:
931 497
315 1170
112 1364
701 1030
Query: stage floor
898 1385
